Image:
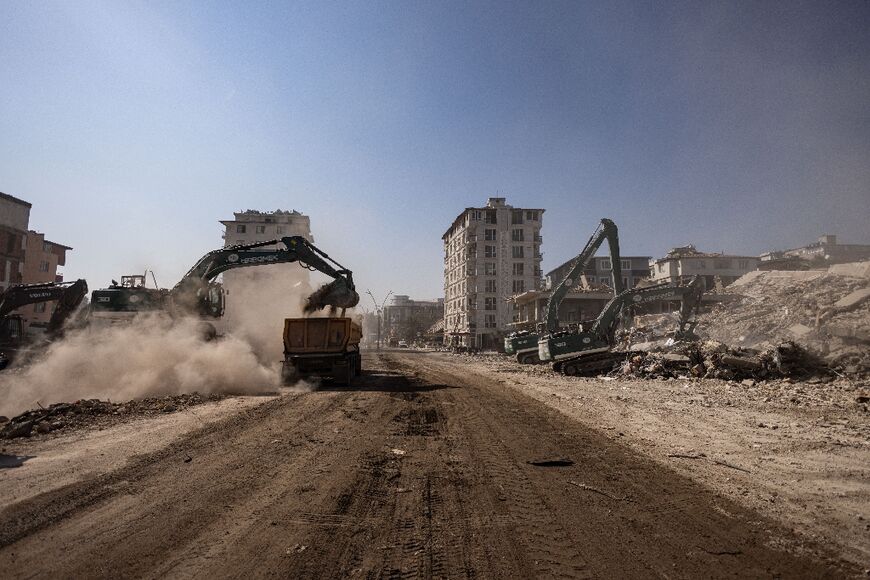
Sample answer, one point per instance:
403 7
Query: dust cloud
258 301
151 356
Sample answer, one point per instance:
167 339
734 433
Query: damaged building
586 299
823 252
491 253
717 269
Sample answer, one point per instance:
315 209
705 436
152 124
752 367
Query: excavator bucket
336 294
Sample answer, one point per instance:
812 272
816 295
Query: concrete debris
827 312
93 412
713 359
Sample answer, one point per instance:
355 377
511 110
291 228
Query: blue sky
134 127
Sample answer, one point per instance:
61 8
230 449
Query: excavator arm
191 292
69 296
689 295
607 230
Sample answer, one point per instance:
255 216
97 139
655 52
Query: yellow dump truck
321 347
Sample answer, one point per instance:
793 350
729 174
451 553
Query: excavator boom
191 292
525 344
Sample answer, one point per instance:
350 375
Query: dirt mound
93 412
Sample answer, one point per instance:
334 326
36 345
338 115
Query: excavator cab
132 281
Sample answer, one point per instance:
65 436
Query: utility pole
378 310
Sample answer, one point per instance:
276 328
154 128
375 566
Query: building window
605 264
261 229
626 264
43 266
517 235
240 229
489 252
532 216
489 320
517 251
46 247
489 235
471 270
516 217
475 216
489 286
519 286
489 303
519 268
661 267
625 285
489 268
491 217
39 307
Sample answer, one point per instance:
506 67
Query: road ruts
422 470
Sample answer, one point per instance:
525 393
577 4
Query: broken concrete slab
852 300
800 330
848 331
852 269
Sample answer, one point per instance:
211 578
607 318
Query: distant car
403 344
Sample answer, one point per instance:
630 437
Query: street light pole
378 310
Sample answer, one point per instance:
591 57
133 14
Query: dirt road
422 469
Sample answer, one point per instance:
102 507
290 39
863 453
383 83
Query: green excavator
69 295
197 294
524 344
583 352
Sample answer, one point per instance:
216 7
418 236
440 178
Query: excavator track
592 364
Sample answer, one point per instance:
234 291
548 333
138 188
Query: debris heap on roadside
93 412
713 359
815 319
825 311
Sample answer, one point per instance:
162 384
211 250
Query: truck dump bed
320 335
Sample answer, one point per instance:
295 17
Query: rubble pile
827 312
716 360
92 412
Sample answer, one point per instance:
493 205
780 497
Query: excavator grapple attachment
336 294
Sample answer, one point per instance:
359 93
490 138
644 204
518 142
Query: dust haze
152 356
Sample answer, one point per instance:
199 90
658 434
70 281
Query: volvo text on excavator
69 296
584 352
524 344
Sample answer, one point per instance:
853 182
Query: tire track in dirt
419 470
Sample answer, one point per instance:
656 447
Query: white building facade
490 254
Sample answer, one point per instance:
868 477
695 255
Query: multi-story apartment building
42 260
246 286
490 254
26 257
259 226
822 252
687 261
14 222
409 320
